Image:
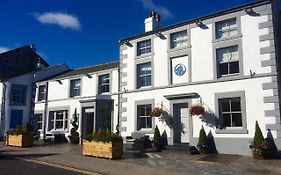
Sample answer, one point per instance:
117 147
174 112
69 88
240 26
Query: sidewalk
164 163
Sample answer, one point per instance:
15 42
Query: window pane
234 67
228 54
235 104
237 120
223 69
144 47
59 124
59 116
226 120
144 75
178 39
225 106
75 87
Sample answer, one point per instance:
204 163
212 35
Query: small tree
157 139
202 141
74 135
258 138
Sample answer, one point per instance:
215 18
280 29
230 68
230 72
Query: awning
182 96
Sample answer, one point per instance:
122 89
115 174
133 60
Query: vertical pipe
45 111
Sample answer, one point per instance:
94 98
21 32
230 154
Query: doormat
219 158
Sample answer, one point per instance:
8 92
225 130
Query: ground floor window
143 118
58 120
39 121
230 112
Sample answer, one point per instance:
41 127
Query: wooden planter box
19 140
110 150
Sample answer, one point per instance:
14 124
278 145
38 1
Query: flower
156 112
197 109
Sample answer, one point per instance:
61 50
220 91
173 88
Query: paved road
11 166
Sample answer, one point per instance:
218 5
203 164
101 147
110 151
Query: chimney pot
152 22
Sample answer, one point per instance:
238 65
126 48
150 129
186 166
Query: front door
181 123
88 122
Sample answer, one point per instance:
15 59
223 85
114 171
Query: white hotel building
229 60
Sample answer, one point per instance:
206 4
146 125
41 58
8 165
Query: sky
86 32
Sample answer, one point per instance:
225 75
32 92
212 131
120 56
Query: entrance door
181 123
88 122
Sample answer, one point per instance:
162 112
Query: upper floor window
226 28
41 92
58 120
228 61
143 75
18 95
75 86
230 112
143 47
144 120
104 83
178 39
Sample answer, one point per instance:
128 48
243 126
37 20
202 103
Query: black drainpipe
45 112
3 110
119 103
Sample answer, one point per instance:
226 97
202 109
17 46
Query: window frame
171 41
225 18
146 47
24 88
226 44
141 103
72 90
44 94
53 122
100 84
232 130
137 75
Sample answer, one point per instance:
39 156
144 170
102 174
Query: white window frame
43 93
72 89
138 76
54 120
226 28
139 48
104 84
183 41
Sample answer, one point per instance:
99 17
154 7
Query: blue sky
86 32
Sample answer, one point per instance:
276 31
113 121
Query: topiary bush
258 138
157 139
202 141
74 135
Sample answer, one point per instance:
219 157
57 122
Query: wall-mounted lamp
127 42
158 34
88 75
249 11
59 81
199 23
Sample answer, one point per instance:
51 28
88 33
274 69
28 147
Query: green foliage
20 131
202 137
73 132
103 136
258 138
157 137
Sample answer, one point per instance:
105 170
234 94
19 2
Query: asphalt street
12 166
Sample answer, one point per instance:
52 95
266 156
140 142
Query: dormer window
226 28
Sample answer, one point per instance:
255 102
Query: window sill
228 38
145 131
231 131
12 104
179 49
144 55
144 87
229 76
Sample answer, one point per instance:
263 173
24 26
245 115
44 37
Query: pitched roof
89 69
212 15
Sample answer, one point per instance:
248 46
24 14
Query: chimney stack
152 22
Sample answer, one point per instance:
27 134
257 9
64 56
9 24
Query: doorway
181 123
88 121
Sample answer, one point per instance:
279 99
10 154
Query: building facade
91 91
227 61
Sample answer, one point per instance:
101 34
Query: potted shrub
197 109
202 142
103 144
259 146
156 112
74 135
21 136
157 140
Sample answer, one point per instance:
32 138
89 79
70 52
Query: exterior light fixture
88 75
199 23
59 81
159 34
249 11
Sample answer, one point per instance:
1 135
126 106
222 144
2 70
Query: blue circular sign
180 69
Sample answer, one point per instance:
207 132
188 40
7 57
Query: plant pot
110 150
20 140
73 140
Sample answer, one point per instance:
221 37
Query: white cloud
61 19
3 49
163 11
